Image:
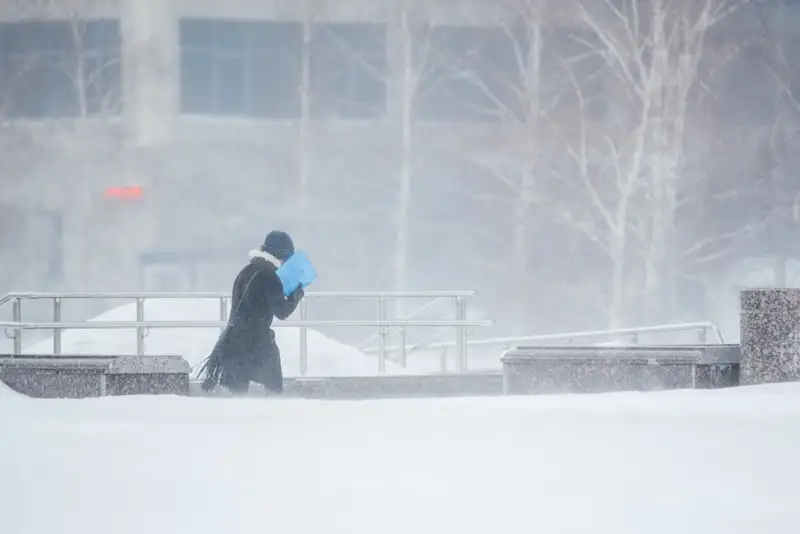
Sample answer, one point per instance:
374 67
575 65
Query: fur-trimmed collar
266 256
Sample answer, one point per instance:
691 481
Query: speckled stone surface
151 364
148 384
533 370
110 364
80 376
382 387
770 335
50 384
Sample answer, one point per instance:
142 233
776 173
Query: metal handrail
654 329
18 326
112 325
704 326
226 294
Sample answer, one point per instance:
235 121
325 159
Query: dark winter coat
246 350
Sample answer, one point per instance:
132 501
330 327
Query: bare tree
529 113
538 111
95 74
622 170
652 51
304 145
410 73
335 115
411 47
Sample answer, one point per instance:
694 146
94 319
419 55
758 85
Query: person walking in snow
246 350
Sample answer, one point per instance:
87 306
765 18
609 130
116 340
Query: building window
60 69
348 71
470 73
241 68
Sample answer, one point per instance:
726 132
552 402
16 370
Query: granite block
534 370
81 376
770 300
149 365
147 384
770 335
653 354
110 364
52 384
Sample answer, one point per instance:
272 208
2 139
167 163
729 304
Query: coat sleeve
243 281
281 307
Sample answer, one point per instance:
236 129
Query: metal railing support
403 353
223 310
16 313
461 336
384 332
303 339
57 331
141 332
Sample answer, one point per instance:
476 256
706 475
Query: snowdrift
326 357
7 393
690 462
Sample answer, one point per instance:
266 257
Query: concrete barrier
80 376
567 369
770 335
382 387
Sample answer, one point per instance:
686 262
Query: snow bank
693 462
6 393
326 357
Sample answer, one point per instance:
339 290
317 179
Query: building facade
193 105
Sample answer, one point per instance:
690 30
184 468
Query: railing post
443 361
403 352
223 310
461 333
703 335
57 331
16 310
635 339
303 339
383 332
140 331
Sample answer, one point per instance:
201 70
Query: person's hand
297 295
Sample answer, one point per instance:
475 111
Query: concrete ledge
531 370
80 376
381 387
127 365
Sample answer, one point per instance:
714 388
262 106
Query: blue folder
296 272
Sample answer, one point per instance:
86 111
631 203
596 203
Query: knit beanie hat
278 244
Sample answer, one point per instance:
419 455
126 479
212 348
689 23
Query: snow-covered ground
688 462
326 356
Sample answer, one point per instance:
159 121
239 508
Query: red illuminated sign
129 192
